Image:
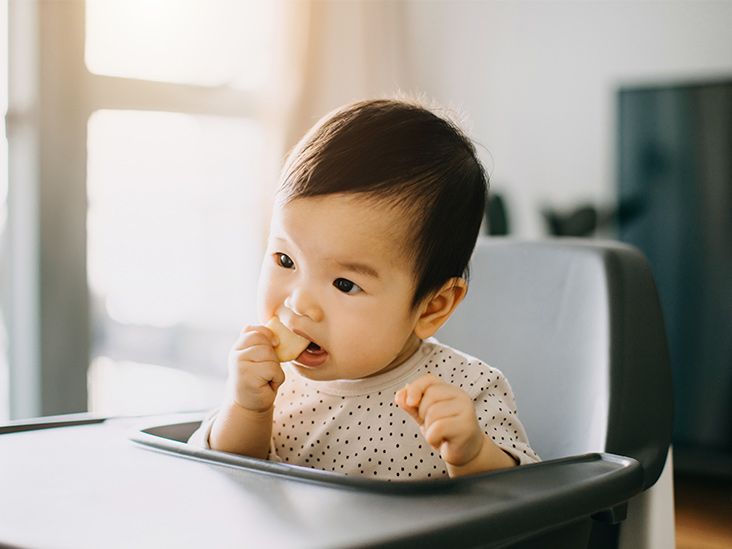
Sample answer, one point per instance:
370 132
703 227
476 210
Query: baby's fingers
262 352
410 396
416 390
442 410
440 392
269 373
256 335
401 400
439 432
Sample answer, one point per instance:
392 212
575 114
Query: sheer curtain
353 50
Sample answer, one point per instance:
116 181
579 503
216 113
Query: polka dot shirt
353 426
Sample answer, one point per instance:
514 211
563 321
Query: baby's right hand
254 372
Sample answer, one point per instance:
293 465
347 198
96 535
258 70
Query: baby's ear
437 308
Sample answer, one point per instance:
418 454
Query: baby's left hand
446 417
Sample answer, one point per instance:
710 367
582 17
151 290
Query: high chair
575 326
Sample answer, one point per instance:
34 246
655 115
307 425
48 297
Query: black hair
408 156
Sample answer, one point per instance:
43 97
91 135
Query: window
175 219
138 198
175 225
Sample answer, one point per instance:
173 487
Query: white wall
538 81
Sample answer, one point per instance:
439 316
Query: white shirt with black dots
353 426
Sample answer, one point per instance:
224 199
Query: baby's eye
346 286
283 260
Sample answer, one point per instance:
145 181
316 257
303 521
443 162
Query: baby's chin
319 373
330 372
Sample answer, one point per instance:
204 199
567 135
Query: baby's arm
243 424
446 417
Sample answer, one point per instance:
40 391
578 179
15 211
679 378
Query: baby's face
334 272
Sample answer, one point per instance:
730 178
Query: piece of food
291 344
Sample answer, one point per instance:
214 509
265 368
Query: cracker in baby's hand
291 344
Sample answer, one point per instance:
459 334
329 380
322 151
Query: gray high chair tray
172 438
102 490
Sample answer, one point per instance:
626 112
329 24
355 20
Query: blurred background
143 139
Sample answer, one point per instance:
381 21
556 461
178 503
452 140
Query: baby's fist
446 417
255 373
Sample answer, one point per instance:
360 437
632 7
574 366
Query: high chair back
576 327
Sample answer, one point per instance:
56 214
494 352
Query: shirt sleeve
495 408
200 437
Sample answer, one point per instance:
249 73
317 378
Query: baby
374 224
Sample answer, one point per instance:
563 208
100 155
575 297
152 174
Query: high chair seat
576 326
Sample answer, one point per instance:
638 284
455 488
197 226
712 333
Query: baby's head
375 221
401 155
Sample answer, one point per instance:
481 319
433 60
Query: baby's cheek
264 310
361 357
267 303
267 297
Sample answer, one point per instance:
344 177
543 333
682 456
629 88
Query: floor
703 513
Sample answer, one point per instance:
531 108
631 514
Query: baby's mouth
313 355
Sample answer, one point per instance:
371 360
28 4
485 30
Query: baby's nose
302 303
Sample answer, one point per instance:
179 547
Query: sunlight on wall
182 41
